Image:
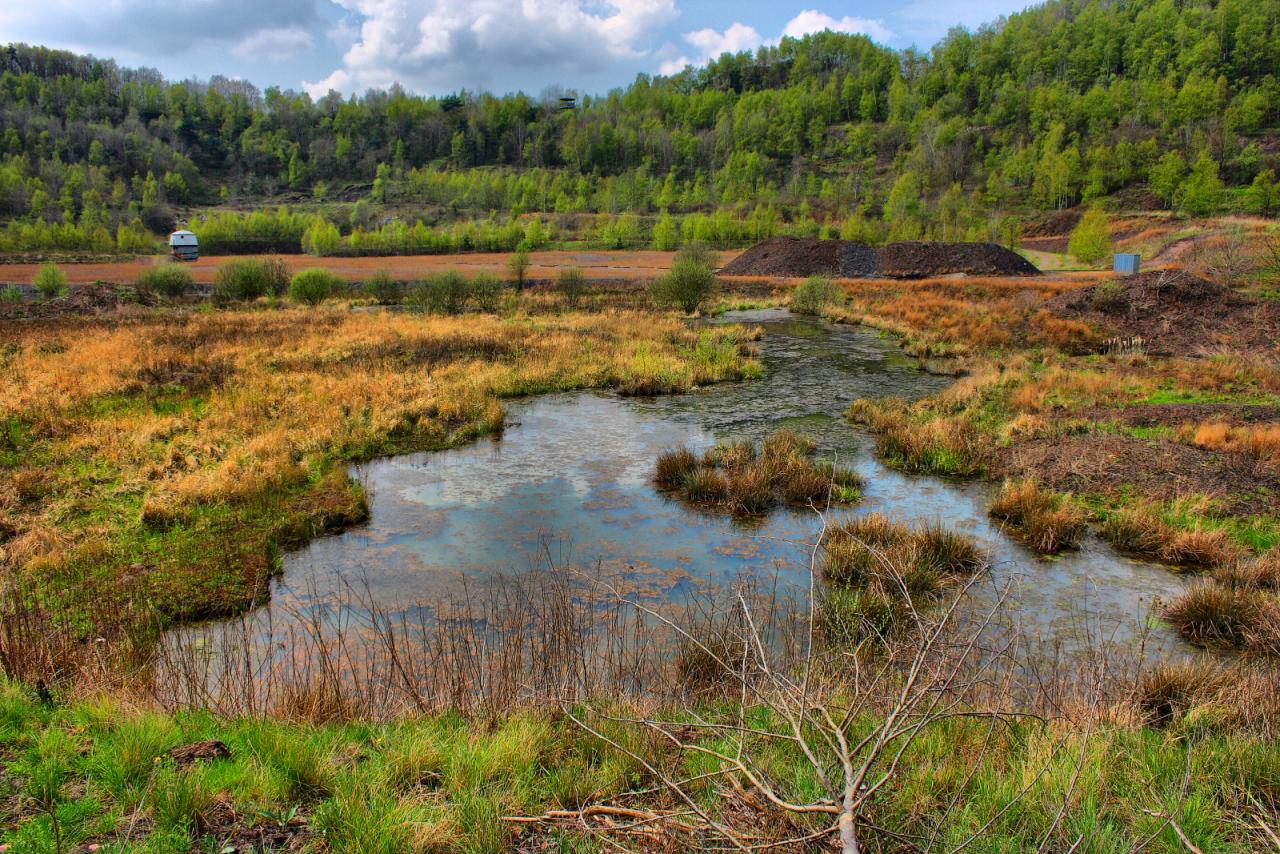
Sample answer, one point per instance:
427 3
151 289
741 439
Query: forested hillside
1144 102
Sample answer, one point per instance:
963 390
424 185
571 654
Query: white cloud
443 44
813 21
162 27
275 43
738 37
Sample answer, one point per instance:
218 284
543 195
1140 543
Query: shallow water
569 482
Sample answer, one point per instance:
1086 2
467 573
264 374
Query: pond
569 483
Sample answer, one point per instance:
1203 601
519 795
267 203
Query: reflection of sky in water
571 478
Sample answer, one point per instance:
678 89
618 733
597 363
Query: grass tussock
872 549
942 446
874 568
1142 531
177 453
1209 613
747 481
1047 521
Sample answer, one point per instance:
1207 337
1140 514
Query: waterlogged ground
569 484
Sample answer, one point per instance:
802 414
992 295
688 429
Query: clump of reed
1259 572
1141 531
1208 613
747 481
1047 521
1172 688
873 568
944 446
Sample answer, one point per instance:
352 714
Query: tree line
1154 101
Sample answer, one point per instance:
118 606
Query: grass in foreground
169 457
99 771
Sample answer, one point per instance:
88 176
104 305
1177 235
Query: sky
442 46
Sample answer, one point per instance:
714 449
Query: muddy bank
1175 313
795 257
1103 464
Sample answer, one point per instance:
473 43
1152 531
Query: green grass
97 768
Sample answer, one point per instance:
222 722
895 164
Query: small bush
572 285
486 291
241 281
518 265
50 281
1209 613
1136 531
10 294
815 295
314 286
276 272
686 287
1109 297
442 293
169 280
383 288
1046 521
730 456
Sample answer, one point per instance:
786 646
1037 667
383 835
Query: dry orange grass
1261 442
162 442
964 315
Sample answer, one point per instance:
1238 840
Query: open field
598 265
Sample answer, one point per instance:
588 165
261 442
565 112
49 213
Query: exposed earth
1175 313
598 265
799 257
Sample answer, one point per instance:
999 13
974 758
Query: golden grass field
171 454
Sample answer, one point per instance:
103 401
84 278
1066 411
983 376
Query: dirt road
543 265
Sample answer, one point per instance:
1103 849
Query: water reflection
569 482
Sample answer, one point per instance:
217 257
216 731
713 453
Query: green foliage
383 288
1061 102
1167 176
170 280
442 293
691 280
50 281
1091 239
10 294
1263 195
518 265
486 290
1202 193
314 286
815 294
242 280
572 285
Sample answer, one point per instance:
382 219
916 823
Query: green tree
1090 240
1167 175
518 265
1202 193
1263 195
50 281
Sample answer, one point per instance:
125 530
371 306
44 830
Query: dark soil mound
794 257
924 260
788 256
1175 313
859 261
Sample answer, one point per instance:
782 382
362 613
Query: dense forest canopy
1171 103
